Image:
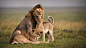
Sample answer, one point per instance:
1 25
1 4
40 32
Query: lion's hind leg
17 32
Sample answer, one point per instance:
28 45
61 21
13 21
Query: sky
44 3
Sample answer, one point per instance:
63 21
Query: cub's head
36 32
39 20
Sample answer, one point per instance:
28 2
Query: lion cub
45 27
30 37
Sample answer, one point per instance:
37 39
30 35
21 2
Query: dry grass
6 28
70 26
70 29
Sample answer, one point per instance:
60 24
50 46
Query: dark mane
37 6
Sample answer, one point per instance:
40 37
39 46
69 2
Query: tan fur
45 27
28 23
30 37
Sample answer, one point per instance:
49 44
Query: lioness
28 23
45 27
30 37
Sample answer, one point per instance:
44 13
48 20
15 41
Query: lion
45 27
28 23
30 37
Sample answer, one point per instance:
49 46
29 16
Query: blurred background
69 27
49 5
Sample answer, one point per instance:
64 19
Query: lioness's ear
33 30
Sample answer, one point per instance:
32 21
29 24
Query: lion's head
38 10
35 13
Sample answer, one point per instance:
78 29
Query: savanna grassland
69 29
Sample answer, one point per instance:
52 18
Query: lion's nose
39 14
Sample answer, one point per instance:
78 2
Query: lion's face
38 12
36 32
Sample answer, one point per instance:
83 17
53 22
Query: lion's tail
51 18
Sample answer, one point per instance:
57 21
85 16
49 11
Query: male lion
30 37
45 27
28 23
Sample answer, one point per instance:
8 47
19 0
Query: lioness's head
36 32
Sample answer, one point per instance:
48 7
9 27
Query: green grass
69 30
